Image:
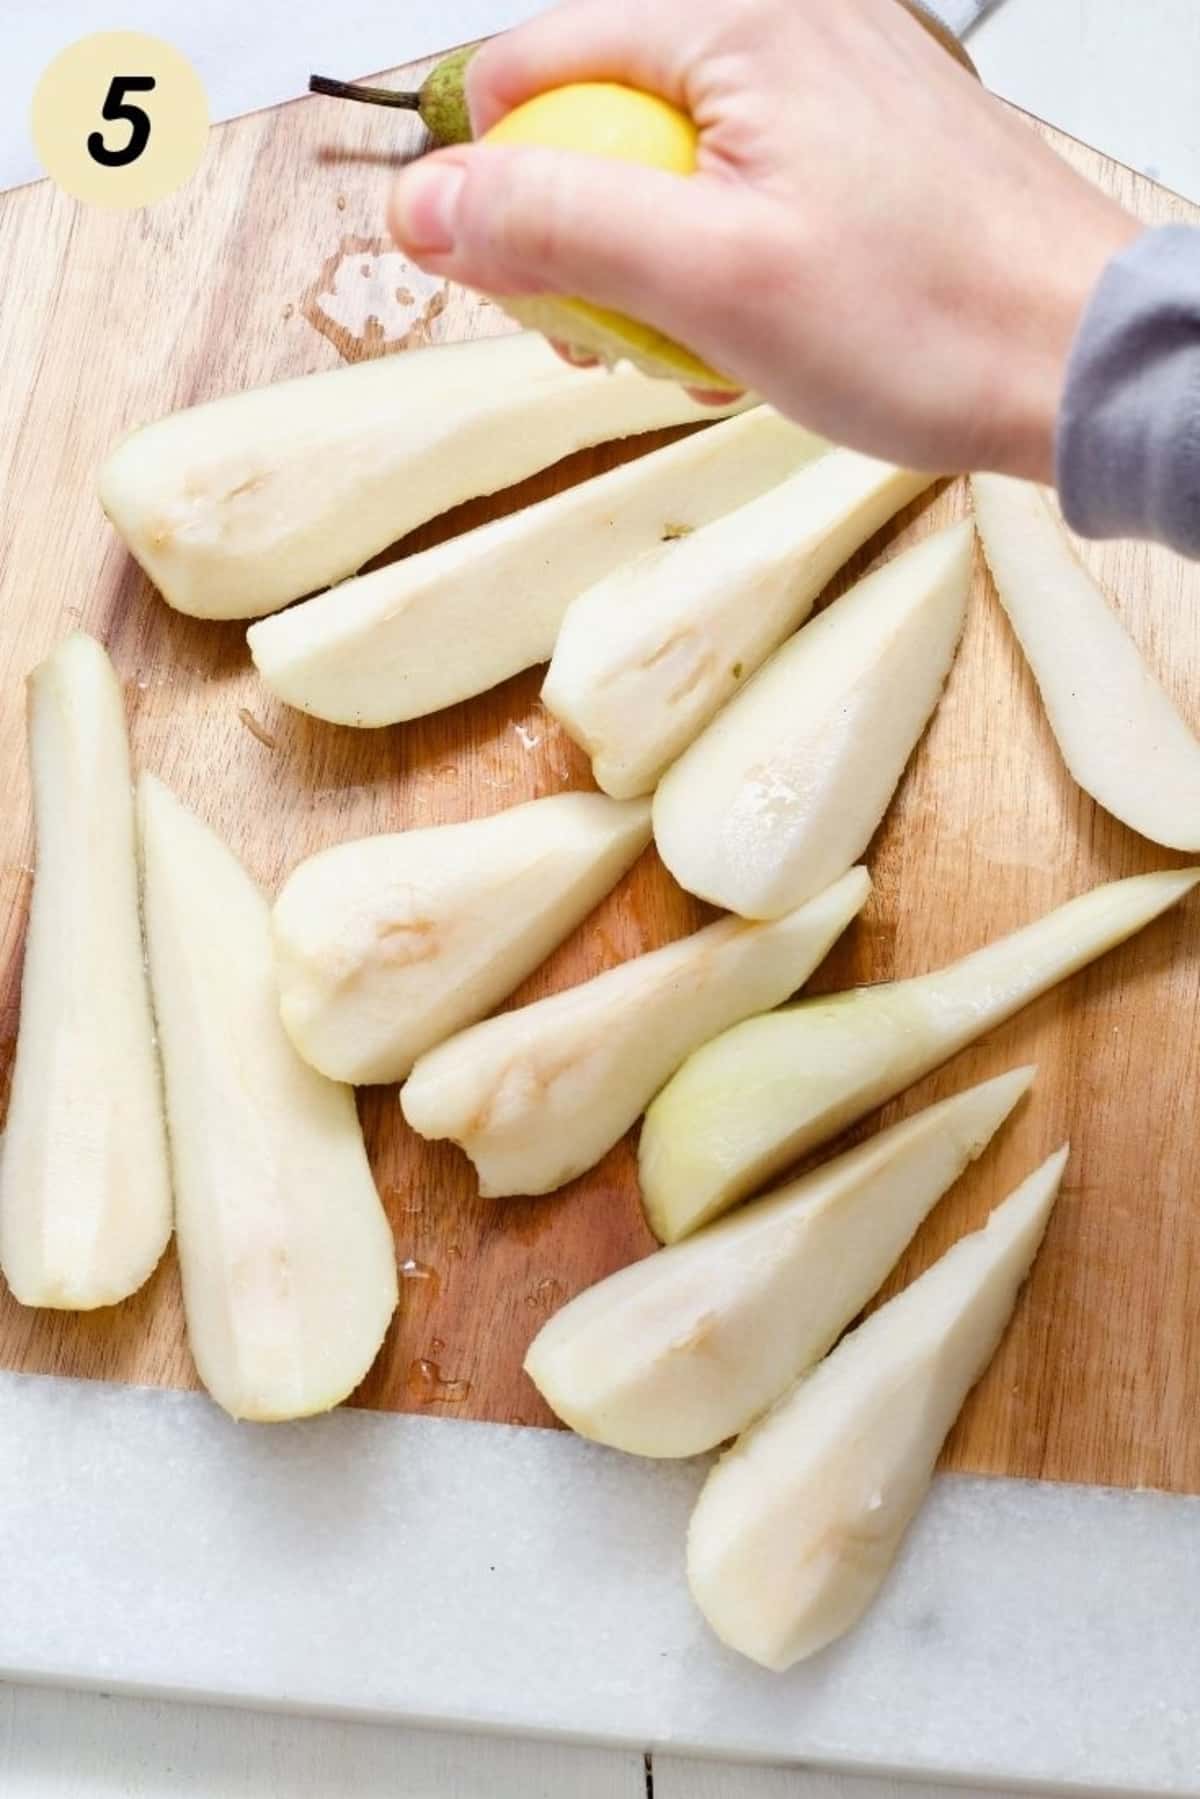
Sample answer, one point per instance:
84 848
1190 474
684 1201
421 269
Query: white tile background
1120 75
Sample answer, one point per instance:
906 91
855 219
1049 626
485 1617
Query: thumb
666 248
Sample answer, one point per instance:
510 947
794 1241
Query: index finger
646 46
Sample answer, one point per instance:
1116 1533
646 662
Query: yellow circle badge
119 119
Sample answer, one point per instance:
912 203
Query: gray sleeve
1128 447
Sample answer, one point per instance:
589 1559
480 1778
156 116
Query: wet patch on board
369 300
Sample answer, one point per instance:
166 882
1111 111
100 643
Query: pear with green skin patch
442 99
766 1092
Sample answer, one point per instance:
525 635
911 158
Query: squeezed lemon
604 118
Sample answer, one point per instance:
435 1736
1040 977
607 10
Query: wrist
1049 314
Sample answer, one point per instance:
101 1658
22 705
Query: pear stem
354 90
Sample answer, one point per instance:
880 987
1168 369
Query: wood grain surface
272 263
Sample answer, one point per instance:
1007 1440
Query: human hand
870 241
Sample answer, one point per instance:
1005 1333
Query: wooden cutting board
272 262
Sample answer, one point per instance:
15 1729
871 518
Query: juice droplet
455 1252
403 1199
543 1295
422 1274
427 1384
437 1343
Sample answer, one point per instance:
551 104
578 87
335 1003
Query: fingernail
425 205
716 396
578 359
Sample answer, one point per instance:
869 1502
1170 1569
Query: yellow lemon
603 118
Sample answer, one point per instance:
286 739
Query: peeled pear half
798 1525
538 1095
673 1355
649 655
1119 733
386 946
769 1090
373 650
787 786
85 1188
289 1271
604 118
239 506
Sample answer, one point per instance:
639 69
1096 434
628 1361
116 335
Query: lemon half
603 118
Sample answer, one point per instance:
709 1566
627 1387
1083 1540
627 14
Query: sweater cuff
1128 448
